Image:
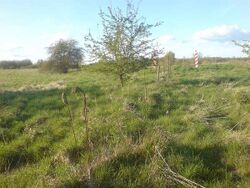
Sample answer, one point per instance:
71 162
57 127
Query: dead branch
170 174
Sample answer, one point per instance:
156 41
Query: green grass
199 120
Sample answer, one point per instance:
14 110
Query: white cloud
222 33
165 39
205 43
215 41
31 49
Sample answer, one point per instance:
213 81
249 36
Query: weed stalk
66 103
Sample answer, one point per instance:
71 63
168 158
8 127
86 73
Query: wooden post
85 110
156 63
85 117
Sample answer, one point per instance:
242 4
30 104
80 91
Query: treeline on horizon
213 59
216 59
15 64
27 63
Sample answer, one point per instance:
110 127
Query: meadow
196 123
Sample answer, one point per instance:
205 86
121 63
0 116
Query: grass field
198 121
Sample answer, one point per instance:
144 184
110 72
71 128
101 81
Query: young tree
124 42
64 54
167 61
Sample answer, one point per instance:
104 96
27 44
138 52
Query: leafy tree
245 45
125 41
64 54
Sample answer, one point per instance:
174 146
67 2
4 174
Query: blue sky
27 27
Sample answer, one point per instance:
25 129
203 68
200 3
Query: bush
45 66
49 66
64 54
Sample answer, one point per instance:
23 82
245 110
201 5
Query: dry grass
42 87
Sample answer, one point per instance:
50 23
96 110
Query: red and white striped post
196 59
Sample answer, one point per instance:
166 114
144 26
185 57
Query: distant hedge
15 64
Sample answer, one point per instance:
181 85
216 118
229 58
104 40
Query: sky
27 27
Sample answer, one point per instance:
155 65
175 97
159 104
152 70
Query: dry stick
72 122
180 179
222 107
2 132
85 111
235 126
95 101
177 177
238 122
65 101
4 141
85 117
181 182
156 63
